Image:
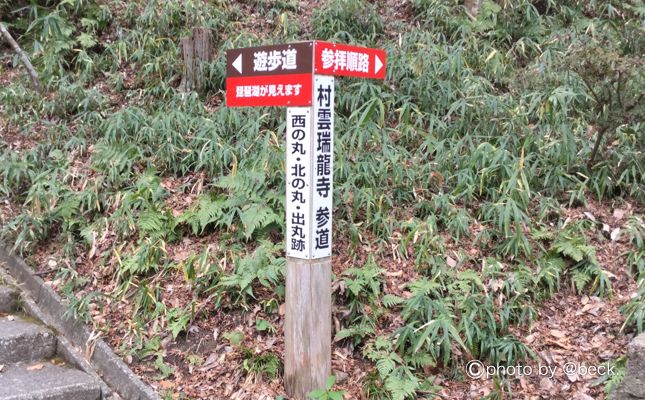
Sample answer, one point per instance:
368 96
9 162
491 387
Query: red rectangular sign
269 90
345 60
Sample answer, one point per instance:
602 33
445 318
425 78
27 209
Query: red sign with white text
345 60
269 90
282 75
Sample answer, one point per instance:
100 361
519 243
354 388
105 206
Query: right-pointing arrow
378 64
237 64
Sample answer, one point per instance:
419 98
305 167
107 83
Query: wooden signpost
300 76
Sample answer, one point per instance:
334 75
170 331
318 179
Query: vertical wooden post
309 163
188 52
197 52
203 46
307 326
301 77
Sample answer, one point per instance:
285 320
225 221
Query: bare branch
596 147
23 57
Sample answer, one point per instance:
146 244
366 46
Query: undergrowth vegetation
483 132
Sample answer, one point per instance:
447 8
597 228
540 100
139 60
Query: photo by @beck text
475 369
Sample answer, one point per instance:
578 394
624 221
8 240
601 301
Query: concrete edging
112 370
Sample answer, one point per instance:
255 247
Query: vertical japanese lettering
298 176
323 163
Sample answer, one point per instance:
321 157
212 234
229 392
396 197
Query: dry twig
23 57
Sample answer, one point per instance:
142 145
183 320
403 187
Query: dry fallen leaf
558 334
572 377
582 396
497 284
619 214
593 310
562 343
166 385
546 384
566 222
547 356
35 367
211 362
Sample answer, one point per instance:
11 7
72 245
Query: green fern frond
250 183
385 365
255 217
151 221
580 279
209 211
574 248
402 384
390 300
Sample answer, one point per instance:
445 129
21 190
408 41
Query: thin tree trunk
23 57
596 147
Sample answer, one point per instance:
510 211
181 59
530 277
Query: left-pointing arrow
237 64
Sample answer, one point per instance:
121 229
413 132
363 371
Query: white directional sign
299 151
310 165
323 165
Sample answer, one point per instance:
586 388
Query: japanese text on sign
267 90
342 60
274 90
298 154
345 60
323 165
271 60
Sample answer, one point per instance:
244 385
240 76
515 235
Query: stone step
21 340
46 381
8 299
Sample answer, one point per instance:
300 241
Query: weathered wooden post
297 76
309 207
197 52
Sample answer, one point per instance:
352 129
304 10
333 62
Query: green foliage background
497 122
